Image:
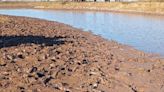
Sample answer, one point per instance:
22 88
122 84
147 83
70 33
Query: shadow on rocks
9 41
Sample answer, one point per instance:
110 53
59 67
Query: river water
143 32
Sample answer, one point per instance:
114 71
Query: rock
148 70
34 69
117 68
53 59
52 65
2 63
47 80
67 90
41 57
9 57
21 56
21 88
65 84
85 61
40 74
95 85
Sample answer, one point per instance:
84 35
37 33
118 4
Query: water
145 33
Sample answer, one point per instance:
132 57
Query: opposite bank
156 8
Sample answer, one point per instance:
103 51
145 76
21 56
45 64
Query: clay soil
45 56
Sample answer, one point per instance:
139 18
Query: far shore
150 8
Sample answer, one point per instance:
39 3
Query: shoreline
150 53
40 55
110 11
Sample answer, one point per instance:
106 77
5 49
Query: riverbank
39 55
156 8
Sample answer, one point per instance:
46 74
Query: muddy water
142 32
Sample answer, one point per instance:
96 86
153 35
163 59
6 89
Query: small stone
93 73
65 84
40 74
52 65
70 70
95 85
148 70
62 68
47 80
21 56
34 69
2 63
57 86
58 52
78 63
84 61
53 59
18 69
9 57
14 60
67 91
117 68
41 57
21 88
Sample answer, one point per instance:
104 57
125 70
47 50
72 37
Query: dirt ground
45 56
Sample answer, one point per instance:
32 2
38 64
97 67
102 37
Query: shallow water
143 32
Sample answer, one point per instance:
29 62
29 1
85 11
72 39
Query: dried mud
45 56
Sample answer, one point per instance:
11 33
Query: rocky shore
45 56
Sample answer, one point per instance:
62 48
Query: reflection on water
143 32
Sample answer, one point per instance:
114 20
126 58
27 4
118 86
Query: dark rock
47 80
40 74
21 56
62 68
65 84
117 68
148 70
85 61
67 91
78 63
34 69
70 70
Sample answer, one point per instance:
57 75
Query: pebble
85 61
47 80
2 63
95 85
34 69
53 59
21 56
9 57
40 74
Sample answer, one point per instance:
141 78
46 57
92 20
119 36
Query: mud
45 56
